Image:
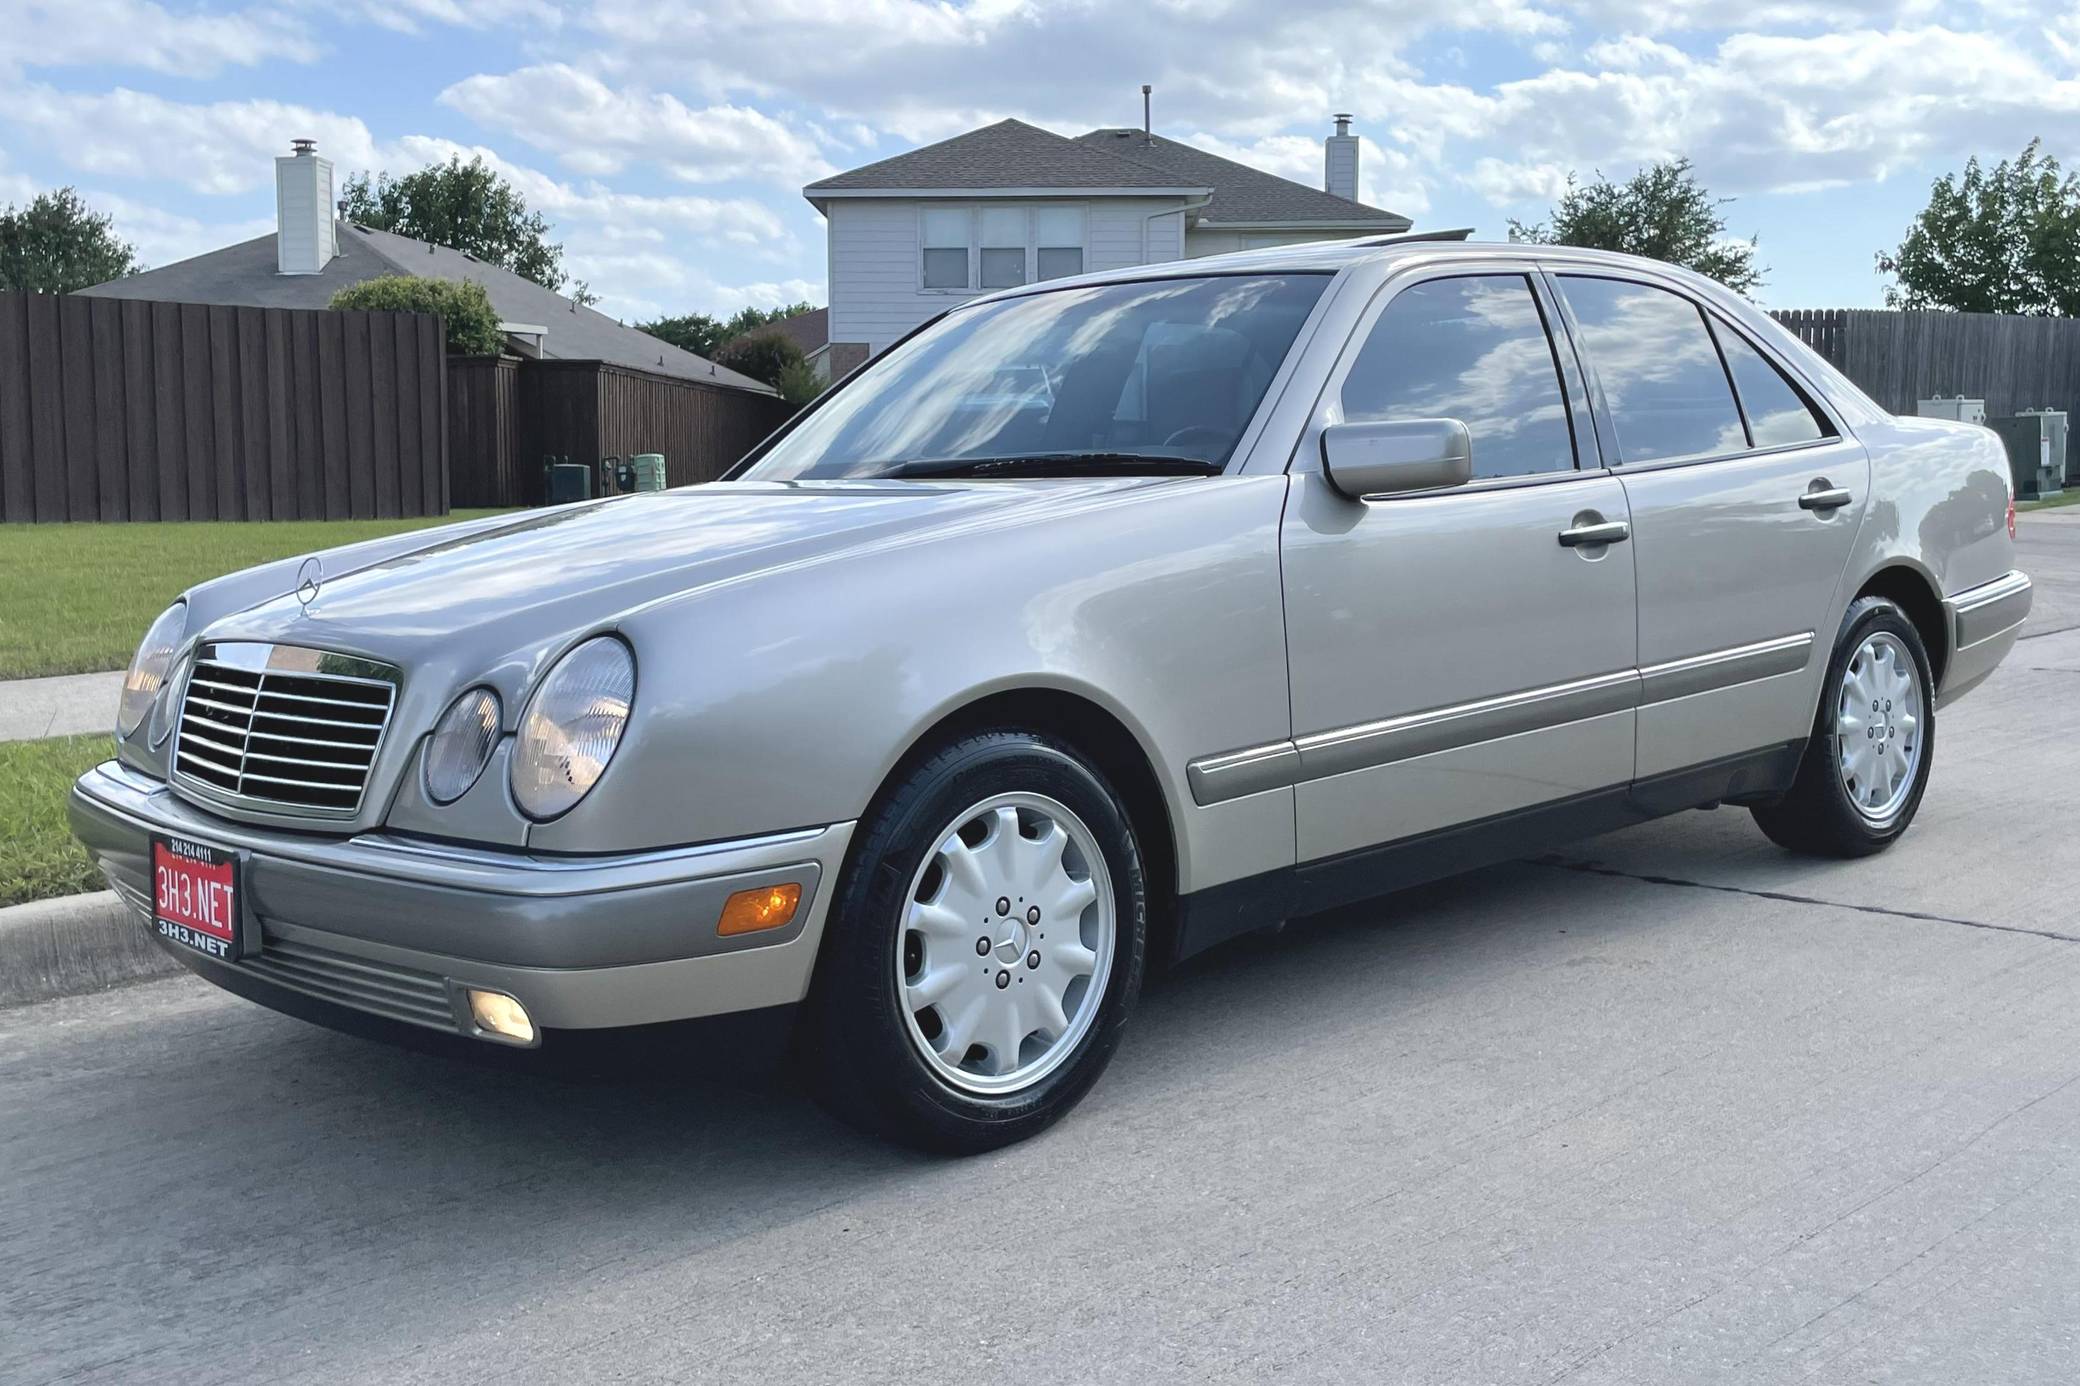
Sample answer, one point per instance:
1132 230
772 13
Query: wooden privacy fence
506 415
1900 358
122 409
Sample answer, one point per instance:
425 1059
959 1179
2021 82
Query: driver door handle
1608 532
1824 497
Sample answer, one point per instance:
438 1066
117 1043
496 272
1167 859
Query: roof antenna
1148 136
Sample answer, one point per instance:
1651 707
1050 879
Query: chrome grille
280 727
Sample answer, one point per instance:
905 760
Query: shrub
465 308
799 383
764 356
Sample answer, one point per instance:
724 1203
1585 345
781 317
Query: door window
1778 414
1473 349
1662 378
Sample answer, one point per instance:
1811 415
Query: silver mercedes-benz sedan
1096 622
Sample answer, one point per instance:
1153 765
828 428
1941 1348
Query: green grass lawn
38 856
2069 496
77 598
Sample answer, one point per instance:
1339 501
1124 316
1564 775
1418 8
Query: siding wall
875 258
1197 243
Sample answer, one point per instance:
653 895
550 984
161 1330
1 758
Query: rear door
1745 499
1453 657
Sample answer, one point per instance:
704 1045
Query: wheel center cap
1012 946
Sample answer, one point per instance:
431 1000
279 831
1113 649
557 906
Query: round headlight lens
148 668
462 742
572 727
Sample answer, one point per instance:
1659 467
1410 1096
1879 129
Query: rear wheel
1872 746
984 949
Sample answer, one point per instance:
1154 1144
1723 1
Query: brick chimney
1340 160
306 238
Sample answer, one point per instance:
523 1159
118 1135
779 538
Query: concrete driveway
1670 1106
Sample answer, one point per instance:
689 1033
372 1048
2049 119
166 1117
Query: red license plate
195 896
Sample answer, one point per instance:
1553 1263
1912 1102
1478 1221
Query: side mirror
1377 459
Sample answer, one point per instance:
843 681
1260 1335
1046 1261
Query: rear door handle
1608 532
1825 497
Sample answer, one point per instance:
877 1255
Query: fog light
501 1015
766 907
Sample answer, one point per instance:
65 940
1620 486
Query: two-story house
1010 204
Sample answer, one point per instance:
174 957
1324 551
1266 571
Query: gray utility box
1957 407
2036 442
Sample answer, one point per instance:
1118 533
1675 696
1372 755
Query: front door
1745 500
1458 655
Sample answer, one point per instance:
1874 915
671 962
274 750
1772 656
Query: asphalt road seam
2040 634
1785 897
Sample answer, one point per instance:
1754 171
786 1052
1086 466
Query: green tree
464 206
2004 241
1661 212
765 356
57 244
464 306
704 335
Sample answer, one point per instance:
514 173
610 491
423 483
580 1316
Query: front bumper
396 927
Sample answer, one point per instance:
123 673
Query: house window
1003 247
946 231
994 246
1058 242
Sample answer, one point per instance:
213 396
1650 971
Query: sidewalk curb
72 945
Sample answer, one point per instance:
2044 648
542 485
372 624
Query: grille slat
397 992
288 740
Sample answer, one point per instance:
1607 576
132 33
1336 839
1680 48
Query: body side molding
1281 764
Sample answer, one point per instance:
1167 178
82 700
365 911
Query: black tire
1816 816
858 1053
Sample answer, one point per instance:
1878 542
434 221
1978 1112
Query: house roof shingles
1242 196
245 274
1009 154
1013 154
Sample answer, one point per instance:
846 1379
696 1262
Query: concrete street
1669 1106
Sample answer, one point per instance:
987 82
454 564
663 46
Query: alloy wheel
1007 940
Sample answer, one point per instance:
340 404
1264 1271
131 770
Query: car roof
1330 257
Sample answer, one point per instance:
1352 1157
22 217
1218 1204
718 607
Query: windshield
1112 376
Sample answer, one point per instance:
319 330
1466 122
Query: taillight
2011 517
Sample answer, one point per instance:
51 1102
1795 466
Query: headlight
462 742
148 669
572 726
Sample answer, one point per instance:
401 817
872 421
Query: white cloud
412 16
596 129
1761 112
214 147
143 33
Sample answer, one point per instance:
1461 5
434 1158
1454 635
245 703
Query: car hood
504 588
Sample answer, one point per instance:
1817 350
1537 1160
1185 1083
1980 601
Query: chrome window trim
1715 321
1327 406
1317 755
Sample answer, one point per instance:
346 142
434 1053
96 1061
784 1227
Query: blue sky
669 143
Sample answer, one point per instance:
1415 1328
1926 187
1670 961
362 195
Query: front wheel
1873 742
984 947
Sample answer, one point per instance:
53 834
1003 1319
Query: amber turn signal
766 907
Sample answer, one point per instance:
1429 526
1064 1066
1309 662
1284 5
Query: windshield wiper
1054 464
